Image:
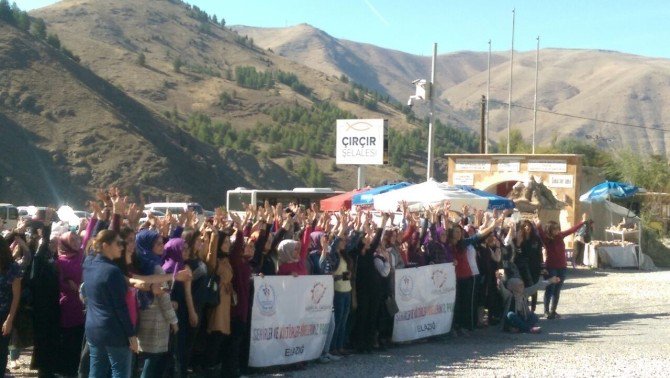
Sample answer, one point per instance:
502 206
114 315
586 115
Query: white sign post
360 141
290 319
425 298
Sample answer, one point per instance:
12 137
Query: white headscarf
286 251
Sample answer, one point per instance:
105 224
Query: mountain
119 114
598 84
66 131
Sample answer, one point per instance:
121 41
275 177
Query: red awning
339 201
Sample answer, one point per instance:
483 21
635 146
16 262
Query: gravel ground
614 323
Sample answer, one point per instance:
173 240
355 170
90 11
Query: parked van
9 216
176 208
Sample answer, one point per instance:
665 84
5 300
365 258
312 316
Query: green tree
288 164
39 28
177 64
53 40
517 144
141 60
649 172
406 170
6 11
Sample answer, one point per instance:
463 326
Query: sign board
464 179
361 141
509 166
558 166
425 298
473 165
290 319
561 181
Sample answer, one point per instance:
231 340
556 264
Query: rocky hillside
174 60
598 84
66 131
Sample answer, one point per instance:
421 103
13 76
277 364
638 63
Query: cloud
376 12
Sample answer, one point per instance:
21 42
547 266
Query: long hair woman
10 292
109 332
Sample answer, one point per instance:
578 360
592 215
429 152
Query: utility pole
488 95
509 105
482 138
537 70
431 131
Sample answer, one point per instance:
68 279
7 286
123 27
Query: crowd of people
170 296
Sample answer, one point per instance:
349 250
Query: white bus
237 198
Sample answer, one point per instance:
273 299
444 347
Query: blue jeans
154 364
553 292
342 304
524 325
104 358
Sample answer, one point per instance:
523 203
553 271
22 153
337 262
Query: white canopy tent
429 193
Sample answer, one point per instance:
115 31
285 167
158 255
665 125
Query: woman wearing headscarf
72 317
175 255
157 316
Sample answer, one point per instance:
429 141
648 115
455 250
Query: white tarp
429 193
289 319
425 298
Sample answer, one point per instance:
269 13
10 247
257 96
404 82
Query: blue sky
636 27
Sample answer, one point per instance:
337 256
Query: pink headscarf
69 244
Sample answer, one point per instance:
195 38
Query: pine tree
6 11
39 28
141 60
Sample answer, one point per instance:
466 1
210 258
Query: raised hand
133 214
95 208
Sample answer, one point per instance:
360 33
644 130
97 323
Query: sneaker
333 357
324 359
553 315
14 364
535 330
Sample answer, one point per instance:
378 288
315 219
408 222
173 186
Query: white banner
425 298
289 319
473 165
464 179
561 181
558 166
360 141
509 166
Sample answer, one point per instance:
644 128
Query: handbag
210 292
391 306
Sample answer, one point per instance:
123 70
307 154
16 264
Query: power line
582 117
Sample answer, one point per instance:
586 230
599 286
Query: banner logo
266 299
316 295
439 279
406 287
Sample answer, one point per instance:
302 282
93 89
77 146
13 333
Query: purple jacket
71 308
